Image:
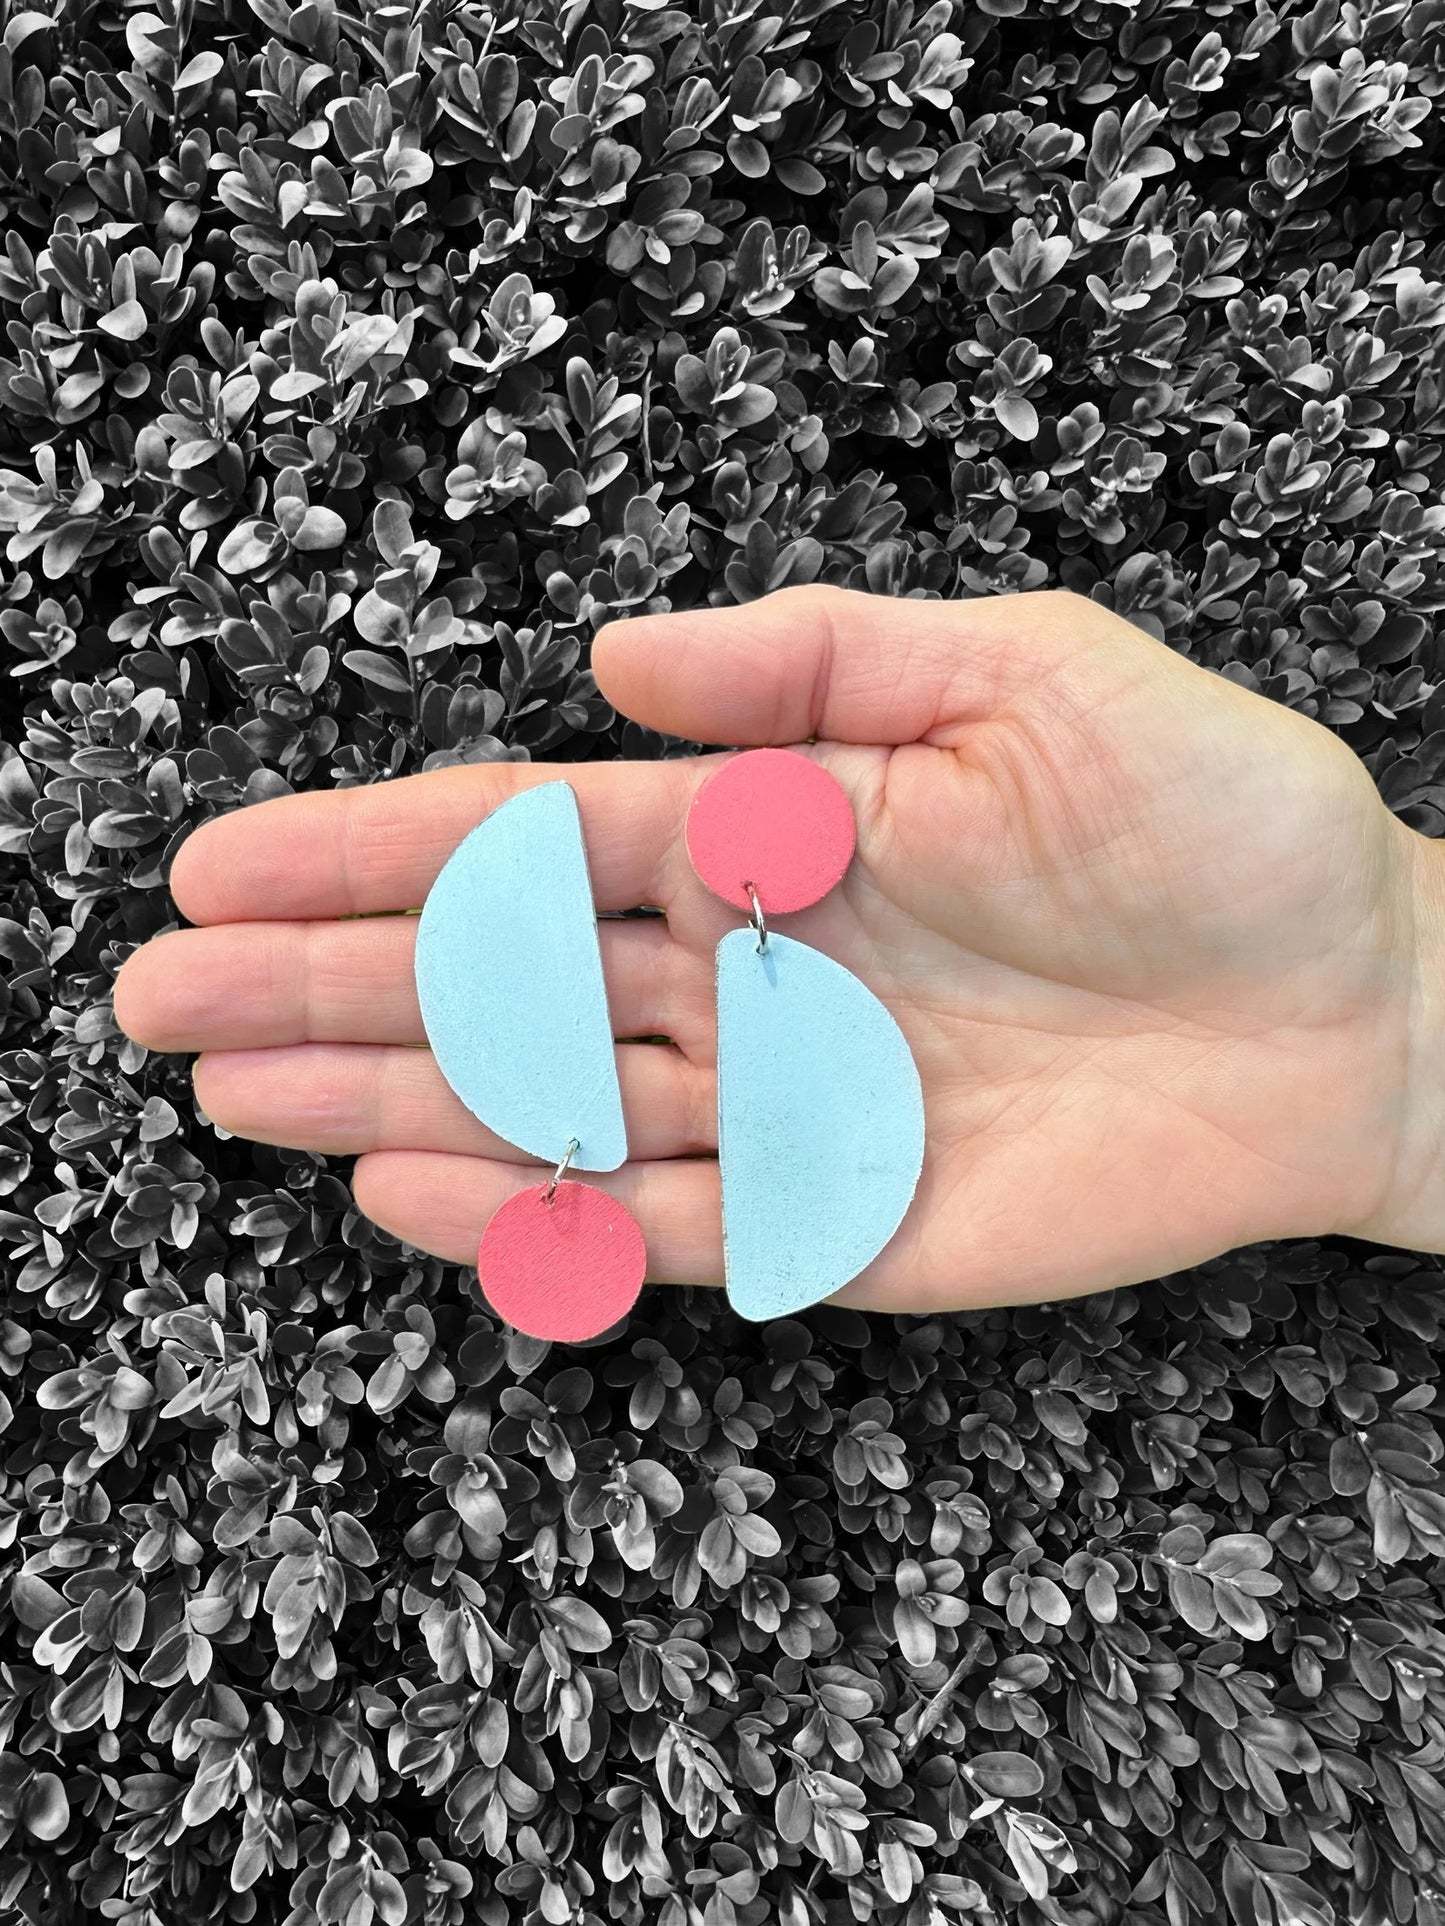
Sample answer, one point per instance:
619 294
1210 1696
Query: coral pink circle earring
509 979
777 819
820 1108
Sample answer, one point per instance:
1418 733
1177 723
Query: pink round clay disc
774 819
564 1270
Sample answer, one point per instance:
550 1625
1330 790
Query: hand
1170 969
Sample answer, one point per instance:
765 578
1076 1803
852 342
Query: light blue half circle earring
820 1106
509 980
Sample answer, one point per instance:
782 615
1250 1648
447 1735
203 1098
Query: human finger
846 666
442 1203
354 852
244 986
347 1099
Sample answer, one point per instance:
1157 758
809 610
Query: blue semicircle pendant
509 978
820 1123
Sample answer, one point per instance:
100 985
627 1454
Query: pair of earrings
820 1109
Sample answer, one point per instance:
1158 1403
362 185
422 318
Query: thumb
835 663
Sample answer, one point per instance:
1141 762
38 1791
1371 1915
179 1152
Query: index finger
353 852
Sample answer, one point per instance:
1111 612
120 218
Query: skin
1173 975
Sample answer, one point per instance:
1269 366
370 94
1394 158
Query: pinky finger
439 1202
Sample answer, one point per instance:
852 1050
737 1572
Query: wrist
1412 1216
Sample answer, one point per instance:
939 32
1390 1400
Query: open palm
1151 938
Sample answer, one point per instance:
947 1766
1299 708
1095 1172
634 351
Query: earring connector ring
758 921
573 1146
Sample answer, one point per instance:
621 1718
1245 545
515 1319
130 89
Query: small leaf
44 1808
21 25
65 547
128 322
1005 1775
249 546
200 67
359 343
34 1602
379 669
1018 415
320 528
391 527
378 619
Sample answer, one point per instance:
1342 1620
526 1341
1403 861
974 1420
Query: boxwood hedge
359 360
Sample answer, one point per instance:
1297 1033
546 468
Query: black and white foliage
358 362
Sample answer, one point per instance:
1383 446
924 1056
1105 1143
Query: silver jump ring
573 1146
757 918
